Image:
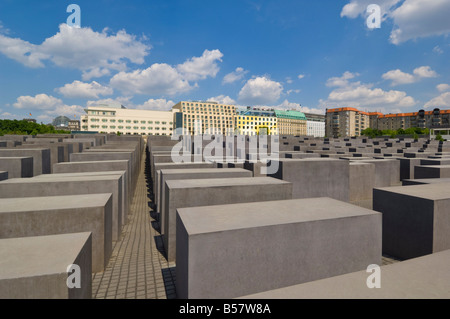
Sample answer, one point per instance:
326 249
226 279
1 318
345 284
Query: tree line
23 127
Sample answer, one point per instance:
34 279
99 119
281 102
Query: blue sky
307 55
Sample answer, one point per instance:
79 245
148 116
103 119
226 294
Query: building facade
74 125
345 121
117 118
291 122
205 117
315 125
255 121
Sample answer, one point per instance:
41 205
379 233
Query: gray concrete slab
387 172
315 177
126 199
193 173
36 267
284 243
17 167
217 191
35 187
432 171
50 215
426 277
41 158
416 220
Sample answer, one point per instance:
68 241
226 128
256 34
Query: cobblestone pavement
137 268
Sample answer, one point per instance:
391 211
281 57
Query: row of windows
129 127
129 121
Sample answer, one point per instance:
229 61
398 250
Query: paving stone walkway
137 268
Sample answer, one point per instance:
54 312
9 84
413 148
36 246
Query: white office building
315 125
109 118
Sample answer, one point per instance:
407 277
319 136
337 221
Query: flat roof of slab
435 191
419 278
93 162
61 179
40 255
218 182
203 170
79 174
430 180
10 205
434 166
207 219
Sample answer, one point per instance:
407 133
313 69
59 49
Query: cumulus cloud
296 106
343 80
443 87
442 100
48 105
234 76
78 89
156 104
260 90
399 77
94 53
222 99
412 19
158 79
199 68
357 94
301 76
164 79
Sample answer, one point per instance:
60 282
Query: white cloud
49 105
296 106
443 87
399 77
342 80
425 72
164 79
156 104
78 89
412 19
356 94
289 80
222 99
293 91
442 100
301 76
437 49
123 100
94 53
199 68
158 79
260 90
234 76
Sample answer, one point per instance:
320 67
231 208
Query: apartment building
345 121
255 121
199 117
422 119
111 118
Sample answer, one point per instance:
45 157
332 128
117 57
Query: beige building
346 121
201 117
291 122
117 118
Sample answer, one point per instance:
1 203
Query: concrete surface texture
201 192
283 242
416 220
38 216
36 267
